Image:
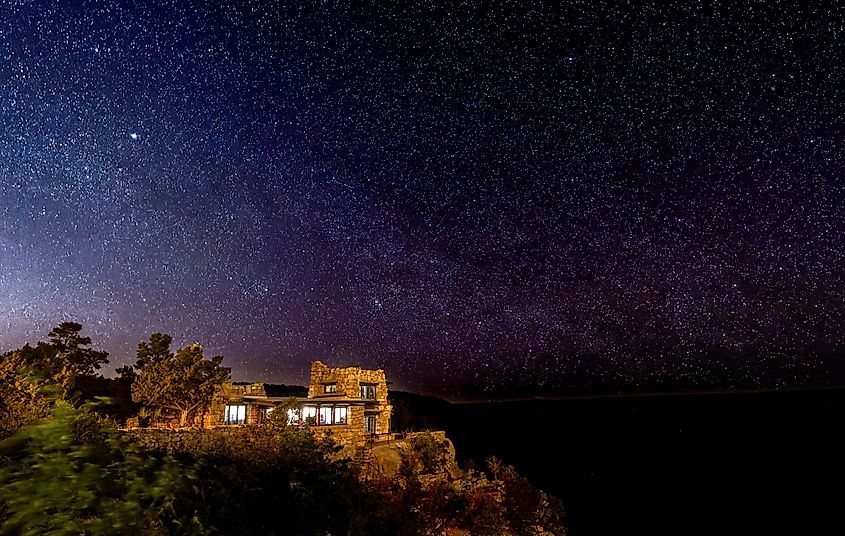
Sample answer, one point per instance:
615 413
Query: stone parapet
347 381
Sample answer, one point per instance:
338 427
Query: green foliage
72 474
66 470
31 378
155 351
58 363
183 383
67 357
22 393
126 372
278 418
427 455
267 480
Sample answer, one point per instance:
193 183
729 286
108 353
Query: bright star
133 135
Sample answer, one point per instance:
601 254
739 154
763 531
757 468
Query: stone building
239 403
350 404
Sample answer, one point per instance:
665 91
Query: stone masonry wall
348 380
231 391
162 440
204 439
188 439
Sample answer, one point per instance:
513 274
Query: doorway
370 424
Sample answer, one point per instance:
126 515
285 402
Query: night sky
486 199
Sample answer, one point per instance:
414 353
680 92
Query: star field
526 198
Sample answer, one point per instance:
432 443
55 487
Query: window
328 415
330 388
325 415
309 415
340 415
235 414
368 391
263 413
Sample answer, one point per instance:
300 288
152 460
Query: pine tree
183 383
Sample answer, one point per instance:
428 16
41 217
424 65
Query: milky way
486 201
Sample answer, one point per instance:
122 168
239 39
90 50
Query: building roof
282 390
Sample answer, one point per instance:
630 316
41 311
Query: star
441 195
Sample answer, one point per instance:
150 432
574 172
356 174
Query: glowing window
326 415
309 414
340 415
235 414
330 388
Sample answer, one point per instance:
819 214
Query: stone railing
181 439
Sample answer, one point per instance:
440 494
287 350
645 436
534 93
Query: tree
126 373
495 465
22 392
148 353
31 378
278 418
155 351
427 455
66 356
182 383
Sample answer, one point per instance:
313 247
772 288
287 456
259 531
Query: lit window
325 415
309 414
340 415
368 392
330 388
235 414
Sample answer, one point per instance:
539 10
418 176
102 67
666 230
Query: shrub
427 455
72 474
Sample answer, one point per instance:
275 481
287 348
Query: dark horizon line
583 396
651 394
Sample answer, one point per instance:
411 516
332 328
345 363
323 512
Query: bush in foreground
73 473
